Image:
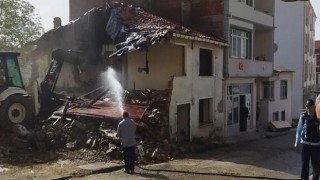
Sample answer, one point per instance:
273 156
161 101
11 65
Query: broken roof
131 28
143 29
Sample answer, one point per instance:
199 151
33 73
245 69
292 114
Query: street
273 158
264 158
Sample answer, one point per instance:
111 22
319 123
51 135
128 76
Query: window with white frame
284 89
240 44
268 90
247 2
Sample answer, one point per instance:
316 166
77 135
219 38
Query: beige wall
192 87
165 60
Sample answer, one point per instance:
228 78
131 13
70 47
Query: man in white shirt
126 131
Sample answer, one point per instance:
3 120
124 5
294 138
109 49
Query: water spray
111 82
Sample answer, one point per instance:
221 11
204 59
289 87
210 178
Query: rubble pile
74 133
153 129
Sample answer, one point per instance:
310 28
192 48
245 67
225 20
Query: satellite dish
275 47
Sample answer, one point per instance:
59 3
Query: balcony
261 13
249 68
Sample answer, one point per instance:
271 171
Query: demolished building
147 52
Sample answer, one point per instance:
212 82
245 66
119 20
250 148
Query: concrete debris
79 132
3 169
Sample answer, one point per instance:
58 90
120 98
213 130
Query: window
268 90
305 70
184 72
247 2
205 67
284 89
205 111
14 75
307 16
240 44
306 45
3 75
283 115
276 116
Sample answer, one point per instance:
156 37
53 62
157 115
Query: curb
93 168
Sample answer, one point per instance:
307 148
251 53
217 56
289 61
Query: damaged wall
192 87
175 66
164 61
170 60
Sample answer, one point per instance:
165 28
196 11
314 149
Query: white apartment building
250 27
294 48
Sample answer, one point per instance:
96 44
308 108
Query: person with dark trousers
257 117
244 113
308 135
126 131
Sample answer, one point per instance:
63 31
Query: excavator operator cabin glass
3 76
14 75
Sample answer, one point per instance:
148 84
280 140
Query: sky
48 9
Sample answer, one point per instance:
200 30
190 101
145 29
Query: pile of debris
78 132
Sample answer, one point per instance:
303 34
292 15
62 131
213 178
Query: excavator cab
10 74
15 102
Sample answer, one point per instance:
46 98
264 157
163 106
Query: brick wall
79 7
170 9
207 16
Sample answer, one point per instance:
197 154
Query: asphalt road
265 158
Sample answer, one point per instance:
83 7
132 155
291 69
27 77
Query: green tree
18 24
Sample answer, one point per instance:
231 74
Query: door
244 113
183 123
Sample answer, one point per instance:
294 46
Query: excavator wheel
15 109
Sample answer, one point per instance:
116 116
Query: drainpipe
226 32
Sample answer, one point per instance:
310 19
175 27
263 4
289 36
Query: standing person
126 131
308 135
257 117
244 113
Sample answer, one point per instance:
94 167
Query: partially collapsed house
147 52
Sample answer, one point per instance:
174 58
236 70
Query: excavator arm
49 100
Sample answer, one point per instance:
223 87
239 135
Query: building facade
250 60
248 26
294 41
317 57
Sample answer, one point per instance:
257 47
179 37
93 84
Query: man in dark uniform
308 135
244 113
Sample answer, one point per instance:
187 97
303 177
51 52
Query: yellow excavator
17 106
